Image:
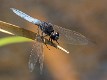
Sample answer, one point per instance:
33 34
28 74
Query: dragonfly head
54 36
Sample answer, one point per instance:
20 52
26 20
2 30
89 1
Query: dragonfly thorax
46 28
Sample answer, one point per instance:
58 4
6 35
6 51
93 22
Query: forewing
25 16
36 54
71 37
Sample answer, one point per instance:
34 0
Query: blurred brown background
89 62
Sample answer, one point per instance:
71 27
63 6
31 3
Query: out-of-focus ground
89 17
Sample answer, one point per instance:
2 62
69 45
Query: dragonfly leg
45 43
42 34
47 46
50 39
38 30
57 41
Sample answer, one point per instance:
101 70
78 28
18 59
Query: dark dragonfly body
53 31
47 28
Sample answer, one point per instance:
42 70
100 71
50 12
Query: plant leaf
16 30
13 39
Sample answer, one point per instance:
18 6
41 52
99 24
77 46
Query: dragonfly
55 33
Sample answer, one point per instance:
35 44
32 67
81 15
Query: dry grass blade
18 31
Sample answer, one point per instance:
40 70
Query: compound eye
56 37
57 34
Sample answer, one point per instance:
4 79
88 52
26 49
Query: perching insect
54 32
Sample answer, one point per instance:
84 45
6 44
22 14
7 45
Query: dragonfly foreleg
44 42
51 40
57 41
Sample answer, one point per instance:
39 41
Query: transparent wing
71 37
36 54
67 35
25 16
